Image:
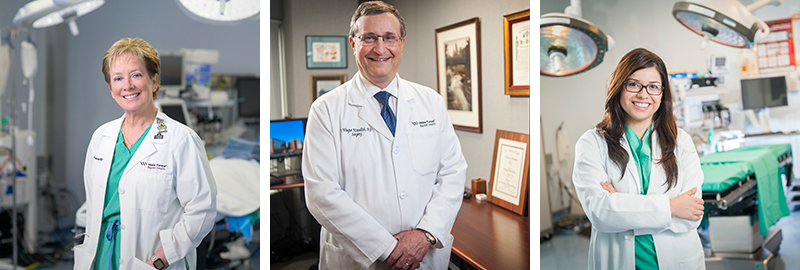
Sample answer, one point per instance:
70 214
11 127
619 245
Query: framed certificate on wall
508 184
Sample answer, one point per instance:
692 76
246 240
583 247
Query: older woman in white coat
150 194
638 175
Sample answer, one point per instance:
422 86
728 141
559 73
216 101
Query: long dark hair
612 126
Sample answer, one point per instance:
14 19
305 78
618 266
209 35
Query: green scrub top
111 208
645 247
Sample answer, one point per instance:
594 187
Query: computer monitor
173 78
764 92
286 137
248 91
175 109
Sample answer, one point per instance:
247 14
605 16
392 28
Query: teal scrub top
645 247
111 208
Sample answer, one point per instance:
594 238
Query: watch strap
430 237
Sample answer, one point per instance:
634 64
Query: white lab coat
617 217
364 186
167 196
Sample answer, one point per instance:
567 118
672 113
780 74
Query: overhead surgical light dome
228 12
45 13
727 22
569 45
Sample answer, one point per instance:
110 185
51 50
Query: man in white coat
383 169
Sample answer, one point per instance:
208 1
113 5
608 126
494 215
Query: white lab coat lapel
147 148
404 108
631 167
107 146
104 150
657 174
359 98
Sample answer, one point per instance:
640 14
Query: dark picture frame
321 84
326 52
458 68
517 47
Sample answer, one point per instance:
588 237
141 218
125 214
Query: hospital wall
84 102
317 17
577 101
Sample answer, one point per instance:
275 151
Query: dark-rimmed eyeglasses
653 89
388 39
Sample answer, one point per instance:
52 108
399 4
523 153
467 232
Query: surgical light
229 12
727 22
46 13
568 44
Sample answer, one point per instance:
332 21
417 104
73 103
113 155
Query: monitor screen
248 90
175 112
286 137
171 70
764 92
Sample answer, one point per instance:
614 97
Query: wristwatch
429 236
158 263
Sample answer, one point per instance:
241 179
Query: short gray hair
376 8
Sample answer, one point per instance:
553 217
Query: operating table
744 197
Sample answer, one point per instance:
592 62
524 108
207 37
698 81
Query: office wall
307 17
312 18
577 101
87 101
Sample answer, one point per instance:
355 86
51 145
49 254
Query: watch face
158 264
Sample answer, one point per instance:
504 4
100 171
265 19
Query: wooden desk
290 181
490 237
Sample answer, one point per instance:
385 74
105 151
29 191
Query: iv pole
14 226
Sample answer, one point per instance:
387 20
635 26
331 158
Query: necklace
126 141
132 130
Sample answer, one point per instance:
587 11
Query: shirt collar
370 89
635 143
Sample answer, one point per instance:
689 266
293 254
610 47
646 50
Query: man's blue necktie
386 112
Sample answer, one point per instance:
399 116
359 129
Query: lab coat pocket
337 258
438 258
139 264
154 191
424 151
697 262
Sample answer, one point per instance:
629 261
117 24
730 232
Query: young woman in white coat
150 194
638 175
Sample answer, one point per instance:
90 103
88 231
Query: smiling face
378 62
130 85
640 107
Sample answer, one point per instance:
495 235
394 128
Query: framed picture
508 182
517 44
326 52
321 84
458 68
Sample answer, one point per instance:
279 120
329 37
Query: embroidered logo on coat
153 166
424 123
